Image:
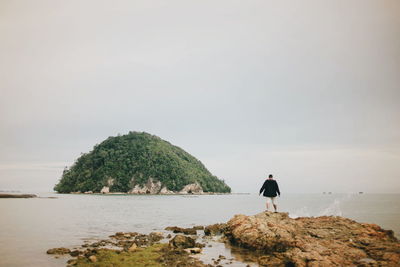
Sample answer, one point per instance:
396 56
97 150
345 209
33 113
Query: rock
72 262
214 229
165 191
320 241
58 251
192 189
193 250
17 196
93 258
156 236
151 187
105 190
270 261
74 253
186 231
141 240
199 245
89 192
133 247
181 241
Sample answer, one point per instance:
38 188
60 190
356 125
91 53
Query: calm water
31 226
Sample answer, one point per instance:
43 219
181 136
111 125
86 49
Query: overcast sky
306 90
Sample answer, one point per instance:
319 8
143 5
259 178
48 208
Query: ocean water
28 227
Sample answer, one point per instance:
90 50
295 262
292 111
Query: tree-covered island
139 163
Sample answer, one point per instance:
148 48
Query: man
270 188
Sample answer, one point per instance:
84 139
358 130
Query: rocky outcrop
192 189
155 187
106 188
320 241
165 191
151 187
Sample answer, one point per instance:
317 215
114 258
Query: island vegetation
134 159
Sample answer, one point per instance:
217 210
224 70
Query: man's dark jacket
270 188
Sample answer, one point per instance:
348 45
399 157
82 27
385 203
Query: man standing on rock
271 190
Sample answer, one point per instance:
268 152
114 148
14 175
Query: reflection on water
30 226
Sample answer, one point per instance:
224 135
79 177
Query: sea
29 227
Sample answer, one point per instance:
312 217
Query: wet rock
186 231
199 245
58 251
193 250
95 244
124 236
75 253
320 241
214 229
182 241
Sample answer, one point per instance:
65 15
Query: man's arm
262 188
277 188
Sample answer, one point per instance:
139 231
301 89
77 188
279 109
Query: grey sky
307 90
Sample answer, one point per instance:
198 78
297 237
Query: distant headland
139 163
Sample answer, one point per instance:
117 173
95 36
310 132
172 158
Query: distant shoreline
17 195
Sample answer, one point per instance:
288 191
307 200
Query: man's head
270 176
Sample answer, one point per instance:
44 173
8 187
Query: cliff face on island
320 241
139 163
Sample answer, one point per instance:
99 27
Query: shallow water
31 226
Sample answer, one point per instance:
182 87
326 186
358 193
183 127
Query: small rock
214 229
181 241
93 258
199 245
74 253
193 250
186 231
72 262
59 251
156 236
132 248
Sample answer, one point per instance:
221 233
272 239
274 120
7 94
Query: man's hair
270 176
